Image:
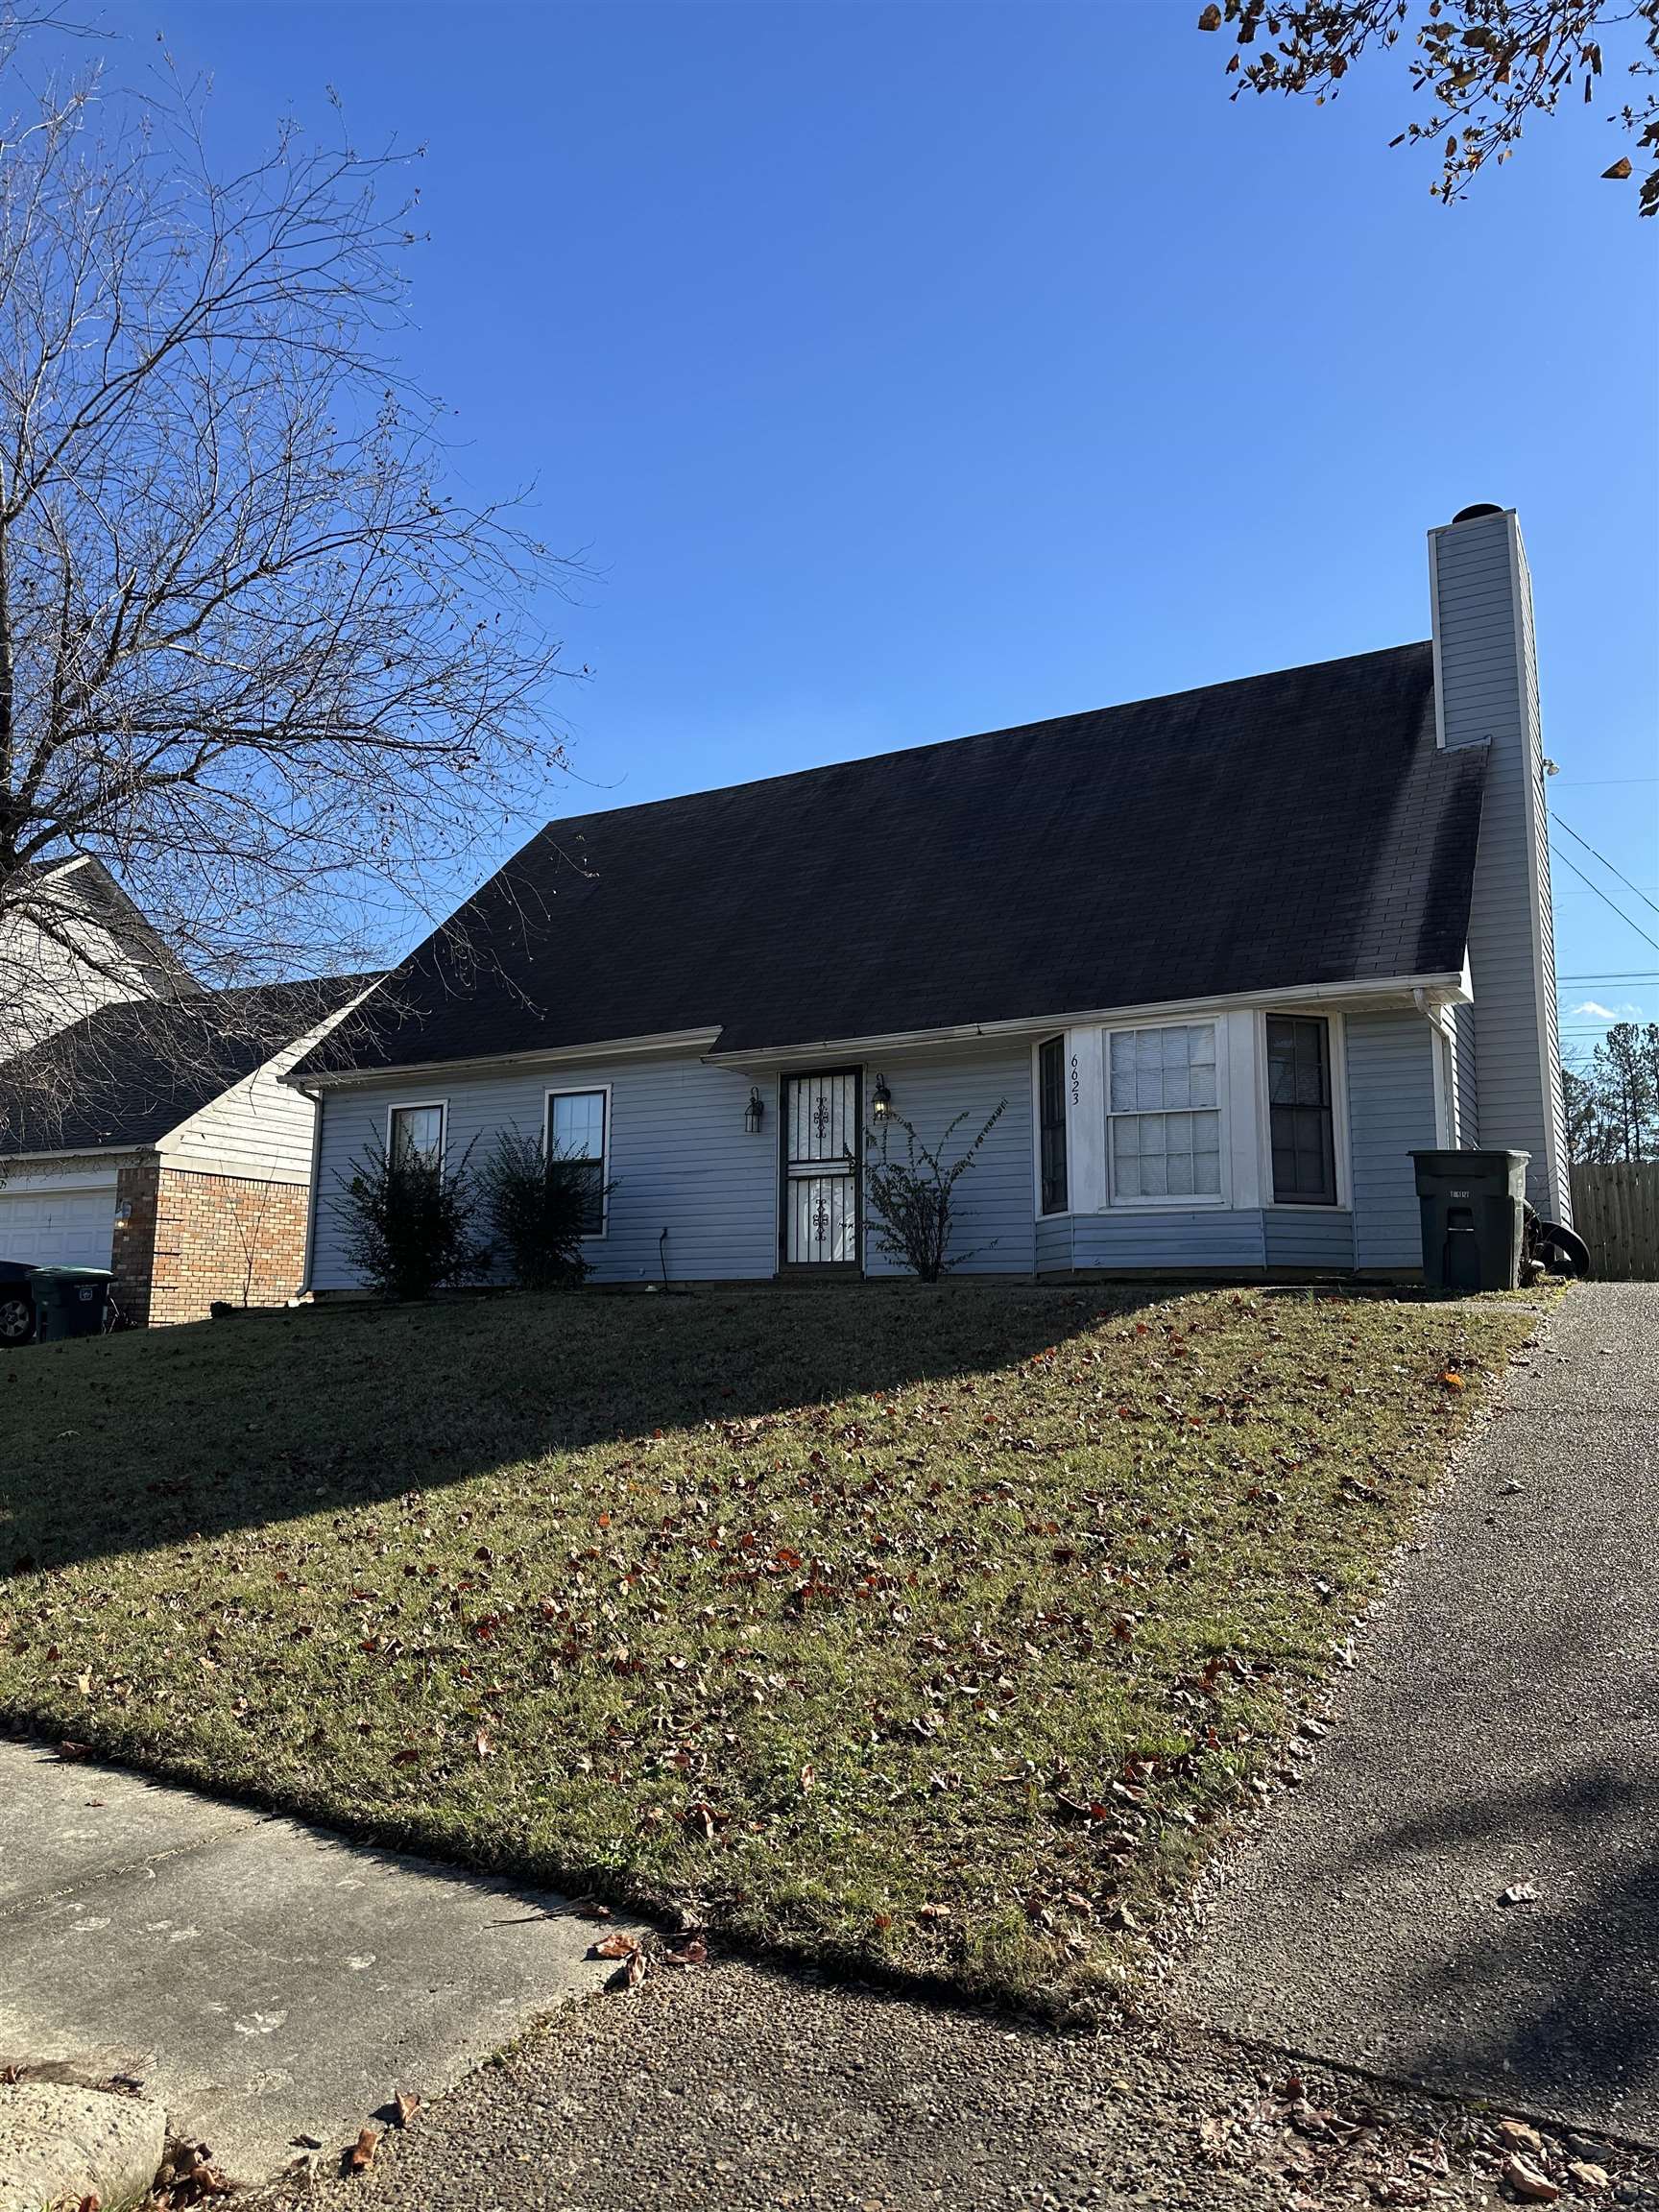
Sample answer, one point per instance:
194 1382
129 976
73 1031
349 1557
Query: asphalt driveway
1499 1739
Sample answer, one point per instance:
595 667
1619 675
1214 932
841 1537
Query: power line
1606 864
1605 900
1611 975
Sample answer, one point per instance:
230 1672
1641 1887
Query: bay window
1164 1116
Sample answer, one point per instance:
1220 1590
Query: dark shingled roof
1300 828
128 1073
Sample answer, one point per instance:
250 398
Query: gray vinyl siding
994 1202
1169 1243
682 1160
680 1155
1488 694
1467 1133
1390 1111
1055 1244
1318 1236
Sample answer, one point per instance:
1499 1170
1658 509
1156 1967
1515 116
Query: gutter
1444 989
312 1190
696 1041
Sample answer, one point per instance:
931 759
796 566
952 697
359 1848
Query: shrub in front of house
910 1201
539 1208
409 1222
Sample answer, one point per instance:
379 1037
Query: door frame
820 1271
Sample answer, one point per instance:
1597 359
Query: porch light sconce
755 1113
881 1100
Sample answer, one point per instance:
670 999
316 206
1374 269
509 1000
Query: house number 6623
1076 1083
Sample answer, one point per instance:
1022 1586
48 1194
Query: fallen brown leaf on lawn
696 1952
615 1946
361 2155
405 2103
486 1749
73 1751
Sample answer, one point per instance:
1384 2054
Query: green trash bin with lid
1474 1207
70 1301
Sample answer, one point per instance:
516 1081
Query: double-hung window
1164 1113
416 1133
1299 1109
578 1135
1051 1125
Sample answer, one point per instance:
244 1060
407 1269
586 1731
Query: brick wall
133 1247
224 1237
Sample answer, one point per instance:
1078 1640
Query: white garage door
67 1228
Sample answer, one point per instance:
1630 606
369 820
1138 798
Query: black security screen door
1299 1103
822 1140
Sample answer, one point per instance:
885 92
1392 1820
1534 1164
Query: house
157 1137
1227 956
71 942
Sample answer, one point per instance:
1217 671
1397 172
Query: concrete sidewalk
1501 1734
262 1979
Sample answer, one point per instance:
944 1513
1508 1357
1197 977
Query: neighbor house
71 942
1224 959
157 1138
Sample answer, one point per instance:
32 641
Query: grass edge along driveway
927 1630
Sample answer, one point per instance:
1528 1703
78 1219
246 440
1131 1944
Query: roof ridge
1046 722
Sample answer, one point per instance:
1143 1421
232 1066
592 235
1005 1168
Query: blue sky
906 370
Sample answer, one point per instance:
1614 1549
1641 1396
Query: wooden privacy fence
1615 1211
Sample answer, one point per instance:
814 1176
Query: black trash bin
70 1301
1474 1218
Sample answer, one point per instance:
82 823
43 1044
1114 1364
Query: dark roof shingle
1299 828
128 1073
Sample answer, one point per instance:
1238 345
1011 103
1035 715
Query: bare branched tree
259 656
1485 67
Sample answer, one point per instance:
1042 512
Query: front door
822 1140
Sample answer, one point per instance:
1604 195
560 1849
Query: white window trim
1068 1089
584 1091
1178 1202
441 1106
1336 1039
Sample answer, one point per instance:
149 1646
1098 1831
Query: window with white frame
578 1133
1164 1113
416 1133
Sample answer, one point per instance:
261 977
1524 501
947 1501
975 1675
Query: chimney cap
1473 513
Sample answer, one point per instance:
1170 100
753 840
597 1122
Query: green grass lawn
931 1627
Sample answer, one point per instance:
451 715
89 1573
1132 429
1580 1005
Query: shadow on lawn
129 1442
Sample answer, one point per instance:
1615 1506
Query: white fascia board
81 1167
1384 989
690 1041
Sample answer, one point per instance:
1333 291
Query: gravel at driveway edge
737 2086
